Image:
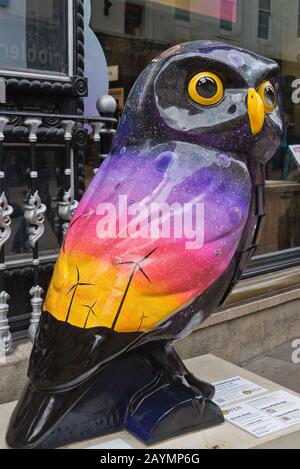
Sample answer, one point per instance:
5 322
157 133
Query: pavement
279 365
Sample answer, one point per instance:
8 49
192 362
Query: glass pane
265 5
160 29
263 31
34 35
50 170
263 19
263 25
182 15
133 19
227 25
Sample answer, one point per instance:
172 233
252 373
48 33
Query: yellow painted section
141 310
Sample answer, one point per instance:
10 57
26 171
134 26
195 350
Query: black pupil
207 87
270 96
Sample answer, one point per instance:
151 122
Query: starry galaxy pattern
168 149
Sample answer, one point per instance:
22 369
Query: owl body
168 224
161 298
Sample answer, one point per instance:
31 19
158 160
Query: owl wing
155 229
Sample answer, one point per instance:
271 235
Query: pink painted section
223 9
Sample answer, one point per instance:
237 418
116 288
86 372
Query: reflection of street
282 223
18 243
17 191
32 36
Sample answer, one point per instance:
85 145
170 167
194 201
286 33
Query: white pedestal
224 436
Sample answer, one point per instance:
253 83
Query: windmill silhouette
90 310
141 321
74 290
136 267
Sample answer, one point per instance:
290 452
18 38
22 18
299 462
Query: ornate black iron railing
33 129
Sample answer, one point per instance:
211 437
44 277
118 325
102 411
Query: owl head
208 93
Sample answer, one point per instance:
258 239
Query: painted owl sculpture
160 238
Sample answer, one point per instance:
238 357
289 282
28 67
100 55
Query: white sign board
235 389
253 421
117 443
295 150
265 415
281 405
113 73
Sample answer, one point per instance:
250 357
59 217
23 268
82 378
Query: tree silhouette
136 267
90 310
73 222
74 290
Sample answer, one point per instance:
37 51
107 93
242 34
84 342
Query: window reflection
264 17
227 14
134 32
50 170
34 35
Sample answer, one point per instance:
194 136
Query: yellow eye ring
212 92
268 95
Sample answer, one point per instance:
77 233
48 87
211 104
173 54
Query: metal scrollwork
5 335
36 301
97 128
80 137
34 216
33 125
66 210
3 121
80 87
68 128
5 231
5 220
68 205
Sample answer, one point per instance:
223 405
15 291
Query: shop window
134 19
264 15
182 11
227 15
50 169
163 23
34 36
182 15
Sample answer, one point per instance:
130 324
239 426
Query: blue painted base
168 412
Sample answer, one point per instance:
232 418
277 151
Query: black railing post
106 106
5 232
97 127
68 205
34 216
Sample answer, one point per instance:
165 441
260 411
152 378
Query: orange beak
256 111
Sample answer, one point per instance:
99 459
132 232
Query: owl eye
206 88
268 95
